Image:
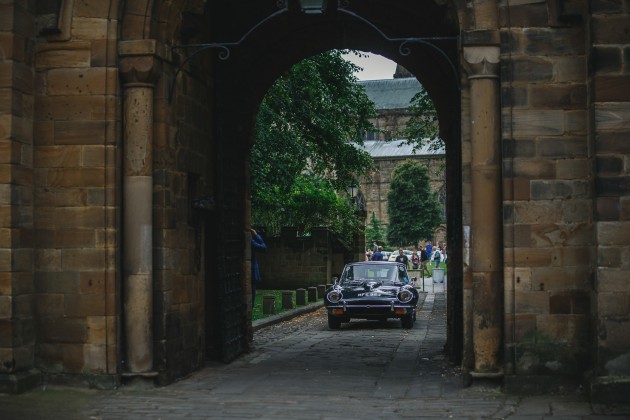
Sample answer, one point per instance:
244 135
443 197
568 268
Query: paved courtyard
302 370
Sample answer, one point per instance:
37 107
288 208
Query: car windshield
392 273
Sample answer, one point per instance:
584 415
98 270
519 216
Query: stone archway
428 64
240 82
237 86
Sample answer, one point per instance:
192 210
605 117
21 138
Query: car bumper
368 311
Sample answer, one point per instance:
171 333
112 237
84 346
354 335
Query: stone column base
16 383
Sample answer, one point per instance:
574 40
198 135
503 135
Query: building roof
391 93
397 149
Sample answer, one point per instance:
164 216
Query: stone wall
17 109
548 200
293 262
610 293
76 152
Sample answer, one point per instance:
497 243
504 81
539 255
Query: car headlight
334 296
405 296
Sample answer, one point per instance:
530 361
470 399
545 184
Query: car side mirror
335 280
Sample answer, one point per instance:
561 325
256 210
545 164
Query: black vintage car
372 290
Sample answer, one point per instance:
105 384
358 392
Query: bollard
312 294
321 291
300 296
269 304
287 299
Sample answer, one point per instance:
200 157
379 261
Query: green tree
423 127
302 155
414 210
375 231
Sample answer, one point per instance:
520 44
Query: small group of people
419 258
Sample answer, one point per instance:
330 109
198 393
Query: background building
392 98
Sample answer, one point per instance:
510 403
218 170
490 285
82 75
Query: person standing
378 255
368 255
437 256
415 260
429 249
424 260
401 257
257 245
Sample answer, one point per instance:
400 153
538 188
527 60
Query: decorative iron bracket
342 6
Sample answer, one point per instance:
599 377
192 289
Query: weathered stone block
570 69
87 28
613 280
606 59
609 165
527 70
576 210
83 81
612 88
570 329
81 132
524 328
514 97
84 305
612 116
518 148
615 142
613 304
537 212
66 54
50 305
523 14
552 41
609 257
562 147
550 189
572 168
613 233
63 330
85 259
610 29
57 156
530 302
94 358
612 185
72 358
608 209
558 278
533 168
532 257
577 302
614 334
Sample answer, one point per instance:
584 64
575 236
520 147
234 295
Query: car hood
368 289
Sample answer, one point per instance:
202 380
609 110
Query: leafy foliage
302 155
422 128
375 231
414 210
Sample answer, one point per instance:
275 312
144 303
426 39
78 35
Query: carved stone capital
139 70
482 62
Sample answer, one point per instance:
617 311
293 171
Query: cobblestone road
302 370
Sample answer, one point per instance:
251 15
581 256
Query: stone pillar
138 73
481 58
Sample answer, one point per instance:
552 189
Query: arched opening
291 36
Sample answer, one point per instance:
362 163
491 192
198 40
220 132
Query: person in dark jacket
378 255
257 245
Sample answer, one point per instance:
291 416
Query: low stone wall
293 261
